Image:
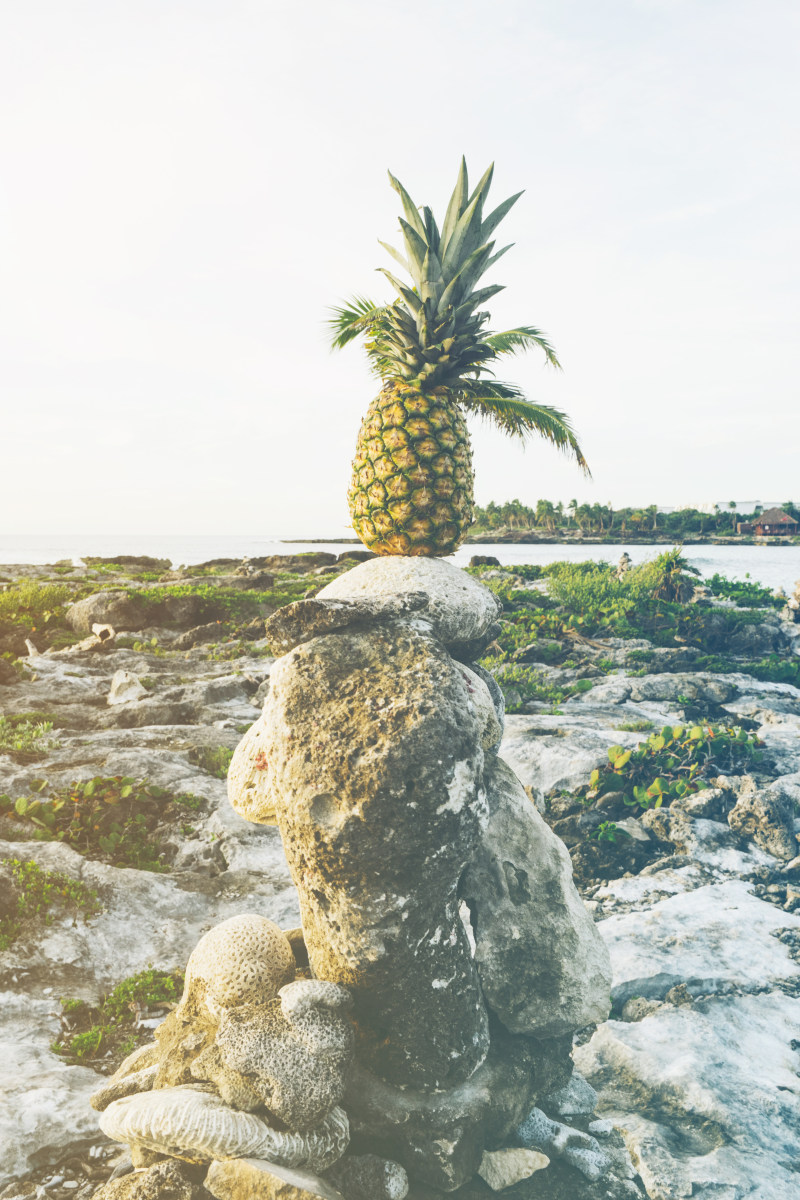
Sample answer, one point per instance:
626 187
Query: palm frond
359 316
505 406
525 337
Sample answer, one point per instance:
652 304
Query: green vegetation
673 763
521 684
113 819
607 831
94 1031
635 726
749 595
24 737
214 759
36 894
599 520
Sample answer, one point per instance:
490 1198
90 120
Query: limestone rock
289 1056
764 817
503 1168
459 607
125 687
305 619
104 608
481 697
248 790
369 1177
256 1179
166 1180
543 966
244 960
373 765
196 1125
707 1096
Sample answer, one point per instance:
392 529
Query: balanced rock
373 762
460 608
304 619
543 966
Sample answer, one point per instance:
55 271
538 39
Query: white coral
197 1125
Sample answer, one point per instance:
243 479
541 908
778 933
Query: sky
187 186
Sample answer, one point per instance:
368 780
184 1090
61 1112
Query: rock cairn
445 960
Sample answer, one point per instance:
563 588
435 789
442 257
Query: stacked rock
430 888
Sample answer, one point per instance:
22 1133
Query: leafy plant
607 831
113 819
23 737
672 763
111 1029
530 684
37 893
635 726
748 595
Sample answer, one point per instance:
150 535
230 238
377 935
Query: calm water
774 566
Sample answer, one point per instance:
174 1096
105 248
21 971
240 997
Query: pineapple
412 485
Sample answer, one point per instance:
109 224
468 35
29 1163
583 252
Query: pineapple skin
411 488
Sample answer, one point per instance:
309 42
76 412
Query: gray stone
373 757
543 966
105 608
125 688
296 623
256 1179
369 1177
440 1136
459 607
576 1099
767 819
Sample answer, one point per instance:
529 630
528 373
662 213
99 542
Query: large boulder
105 608
543 966
372 760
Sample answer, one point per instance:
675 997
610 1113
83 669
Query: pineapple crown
433 335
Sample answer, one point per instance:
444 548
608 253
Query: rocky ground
698 900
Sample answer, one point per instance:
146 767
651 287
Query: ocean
772 566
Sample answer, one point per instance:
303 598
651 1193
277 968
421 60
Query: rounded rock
244 960
459 607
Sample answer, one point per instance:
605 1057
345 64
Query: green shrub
531 684
112 1026
672 763
748 595
23 737
38 893
112 819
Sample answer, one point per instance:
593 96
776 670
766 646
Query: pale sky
187 185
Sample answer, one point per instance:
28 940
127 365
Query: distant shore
562 537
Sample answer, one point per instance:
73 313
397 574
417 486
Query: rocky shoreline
698 900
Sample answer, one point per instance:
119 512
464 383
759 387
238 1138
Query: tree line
602 518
